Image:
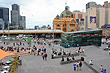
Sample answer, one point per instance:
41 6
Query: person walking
45 56
74 66
101 68
34 52
104 71
77 65
80 65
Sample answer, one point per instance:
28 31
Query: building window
72 25
63 25
58 25
64 29
72 30
58 28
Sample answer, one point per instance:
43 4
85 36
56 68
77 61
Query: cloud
43 12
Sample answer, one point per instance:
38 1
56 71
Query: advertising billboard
92 20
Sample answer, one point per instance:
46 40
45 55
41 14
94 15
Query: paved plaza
35 64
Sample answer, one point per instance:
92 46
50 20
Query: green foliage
15 64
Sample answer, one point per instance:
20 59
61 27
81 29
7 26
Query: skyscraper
106 4
15 15
23 22
91 4
4 15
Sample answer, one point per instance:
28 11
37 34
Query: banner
92 20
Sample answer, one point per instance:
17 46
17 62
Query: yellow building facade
65 21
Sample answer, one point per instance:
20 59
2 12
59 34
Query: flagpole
8 31
3 29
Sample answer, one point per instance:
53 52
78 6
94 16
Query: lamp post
8 31
53 37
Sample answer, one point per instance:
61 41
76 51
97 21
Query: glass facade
82 38
4 14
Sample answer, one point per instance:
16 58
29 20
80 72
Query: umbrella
4 54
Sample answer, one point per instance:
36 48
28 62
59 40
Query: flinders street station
65 21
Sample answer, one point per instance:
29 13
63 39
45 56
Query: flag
3 29
66 3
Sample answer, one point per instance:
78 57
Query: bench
71 61
91 67
60 56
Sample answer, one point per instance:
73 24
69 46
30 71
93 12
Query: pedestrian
62 59
104 71
45 50
83 51
90 62
109 52
13 44
34 52
101 68
80 65
106 37
4 42
73 58
45 56
77 65
23 43
61 49
68 59
74 66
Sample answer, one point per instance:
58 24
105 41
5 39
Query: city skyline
40 12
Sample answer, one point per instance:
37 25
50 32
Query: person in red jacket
43 56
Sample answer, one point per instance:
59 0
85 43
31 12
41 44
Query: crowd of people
42 52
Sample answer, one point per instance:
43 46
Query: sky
43 12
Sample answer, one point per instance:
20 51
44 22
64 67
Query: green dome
65 13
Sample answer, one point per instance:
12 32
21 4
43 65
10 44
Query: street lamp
53 37
8 31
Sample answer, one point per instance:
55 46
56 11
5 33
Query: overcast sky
42 12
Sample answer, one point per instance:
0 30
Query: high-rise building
106 4
91 4
4 15
23 22
90 18
1 24
36 27
79 16
97 17
100 17
107 16
15 15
